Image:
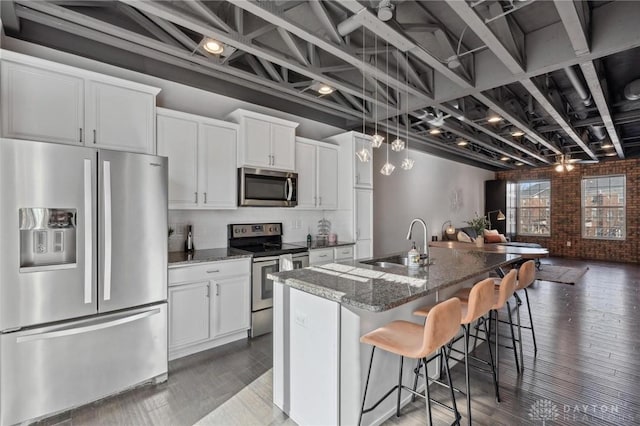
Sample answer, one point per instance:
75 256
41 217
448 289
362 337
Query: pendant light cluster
398 143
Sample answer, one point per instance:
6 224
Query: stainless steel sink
386 264
393 262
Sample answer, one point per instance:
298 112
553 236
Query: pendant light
377 137
363 154
407 163
387 168
398 144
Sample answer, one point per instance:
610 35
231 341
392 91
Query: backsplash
210 226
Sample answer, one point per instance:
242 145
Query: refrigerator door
132 194
47 237
50 369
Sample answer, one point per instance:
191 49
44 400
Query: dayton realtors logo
545 411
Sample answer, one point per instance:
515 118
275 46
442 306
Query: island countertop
378 289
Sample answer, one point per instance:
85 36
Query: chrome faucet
426 242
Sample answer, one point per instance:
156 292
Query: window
603 207
534 208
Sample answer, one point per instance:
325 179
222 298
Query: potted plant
479 224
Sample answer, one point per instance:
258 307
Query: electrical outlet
298 223
568 243
180 228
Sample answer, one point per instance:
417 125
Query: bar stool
526 277
479 300
416 341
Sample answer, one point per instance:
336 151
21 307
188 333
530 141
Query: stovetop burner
263 239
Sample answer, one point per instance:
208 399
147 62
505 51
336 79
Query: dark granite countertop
317 245
401 285
181 258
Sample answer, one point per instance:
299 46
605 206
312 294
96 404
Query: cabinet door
189 314
257 147
178 140
364 249
306 164
231 305
41 105
119 118
218 173
363 171
343 253
327 178
320 256
364 214
283 147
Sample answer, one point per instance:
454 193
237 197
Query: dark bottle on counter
188 243
308 240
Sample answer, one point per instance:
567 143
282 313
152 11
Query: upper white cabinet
264 141
202 160
51 102
363 176
317 167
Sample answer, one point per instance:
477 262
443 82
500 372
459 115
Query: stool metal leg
366 386
445 361
487 332
466 370
533 333
400 386
426 391
416 372
513 338
519 337
497 350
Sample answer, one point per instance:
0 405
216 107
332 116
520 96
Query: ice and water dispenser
47 238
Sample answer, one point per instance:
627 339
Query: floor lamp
500 216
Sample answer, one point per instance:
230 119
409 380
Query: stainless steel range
264 241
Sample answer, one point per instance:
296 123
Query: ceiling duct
598 132
632 90
584 94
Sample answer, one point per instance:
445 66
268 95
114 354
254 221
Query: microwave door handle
290 190
286 189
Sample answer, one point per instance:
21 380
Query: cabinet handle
320 200
322 255
213 271
357 234
80 134
217 289
208 291
196 197
346 252
94 135
205 198
358 178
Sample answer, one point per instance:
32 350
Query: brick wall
566 213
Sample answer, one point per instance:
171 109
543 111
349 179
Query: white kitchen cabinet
230 308
343 253
317 167
318 256
189 313
202 158
363 177
264 141
51 102
363 214
209 305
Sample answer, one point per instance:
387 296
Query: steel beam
593 81
318 8
203 10
293 46
9 19
174 32
558 116
147 24
574 19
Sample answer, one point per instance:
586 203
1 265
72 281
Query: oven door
261 286
267 188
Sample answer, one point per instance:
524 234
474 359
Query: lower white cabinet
363 221
318 256
343 253
209 305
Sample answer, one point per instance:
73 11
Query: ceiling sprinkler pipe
632 90
577 84
598 132
349 25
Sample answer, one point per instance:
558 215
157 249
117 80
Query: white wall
435 190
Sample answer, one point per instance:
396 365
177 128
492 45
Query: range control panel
255 230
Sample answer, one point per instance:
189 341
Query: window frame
519 210
583 208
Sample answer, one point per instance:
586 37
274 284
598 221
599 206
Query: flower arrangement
479 224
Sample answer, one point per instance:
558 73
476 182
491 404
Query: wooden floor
587 370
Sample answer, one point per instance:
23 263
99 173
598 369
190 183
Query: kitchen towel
286 262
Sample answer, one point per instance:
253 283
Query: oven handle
266 259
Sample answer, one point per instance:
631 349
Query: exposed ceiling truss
450 63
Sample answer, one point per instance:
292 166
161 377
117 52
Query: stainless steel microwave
267 188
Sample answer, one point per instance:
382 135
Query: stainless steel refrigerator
83 275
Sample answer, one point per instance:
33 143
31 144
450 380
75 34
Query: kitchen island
320 313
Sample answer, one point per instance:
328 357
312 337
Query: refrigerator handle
106 171
87 328
88 232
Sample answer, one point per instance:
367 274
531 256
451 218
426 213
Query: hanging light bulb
377 138
398 144
559 168
363 154
387 168
407 163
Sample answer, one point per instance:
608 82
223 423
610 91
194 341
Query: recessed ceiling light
504 159
435 131
325 89
213 46
492 117
607 146
517 133
519 163
611 154
462 142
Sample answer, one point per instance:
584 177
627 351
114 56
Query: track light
385 10
213 46
493 117
325 89
462 142
516 133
